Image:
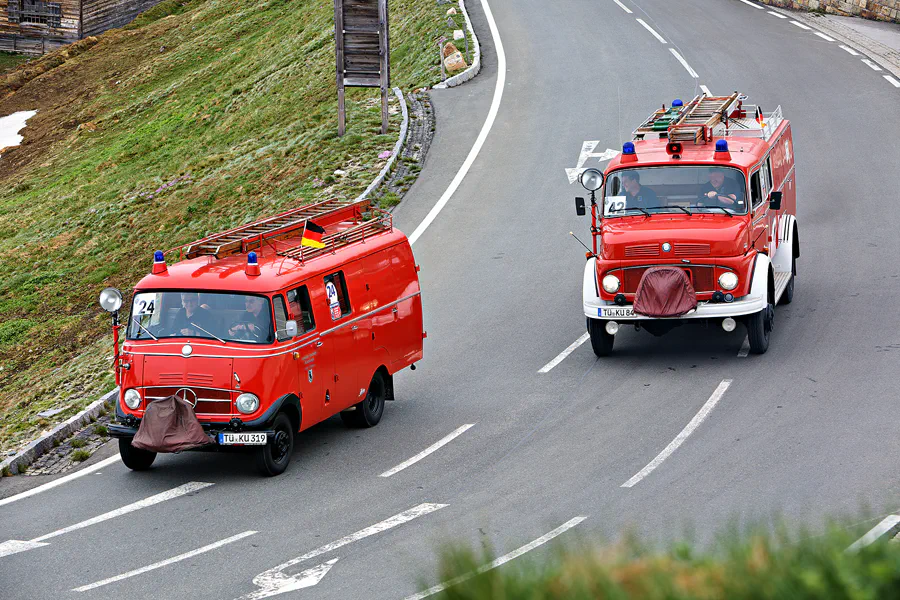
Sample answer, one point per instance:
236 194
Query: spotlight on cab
591 180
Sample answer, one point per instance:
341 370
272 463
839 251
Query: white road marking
587 151
482 136
775 14
165 563
801 25
684 63
15 546
744 352
499 561
871 65
57 482
849 50
623 7
275 581
753 4
892 81
705 90
876 532
562 355
824 37
679 439
651 30
435 446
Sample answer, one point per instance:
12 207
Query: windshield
209 315
688 189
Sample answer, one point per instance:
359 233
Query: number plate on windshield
242 439
616 312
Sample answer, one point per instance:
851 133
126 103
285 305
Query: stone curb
887 58
44 443
398 147
476 63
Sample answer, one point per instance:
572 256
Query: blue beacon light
721 146
251 258
158 256
628 148
676 103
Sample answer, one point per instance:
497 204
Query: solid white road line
688 430
651 30
801 25
705 90
876 532
499 561
684 63
623 7
753 4
165 563
56 482
435 446
275 581
15 546
849 50
562 355
871 65
775 14
892 81
823 36
744 352
482 136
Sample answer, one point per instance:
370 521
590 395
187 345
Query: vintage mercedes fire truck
265 330
695 221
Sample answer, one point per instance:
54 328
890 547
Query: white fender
589 284
784 254
759 287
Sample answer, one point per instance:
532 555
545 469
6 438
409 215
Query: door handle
354 328
318 344
394 310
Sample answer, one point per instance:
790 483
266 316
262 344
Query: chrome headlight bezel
610 284
728 281
132 398
247 403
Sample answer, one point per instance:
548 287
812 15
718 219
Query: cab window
336 295
300 309
280 319
755 189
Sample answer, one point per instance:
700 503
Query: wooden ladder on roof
382 221
700 116
285 225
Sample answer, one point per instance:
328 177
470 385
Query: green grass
101 429
9 61
80 455
199 116
78 443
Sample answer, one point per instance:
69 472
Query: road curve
806 430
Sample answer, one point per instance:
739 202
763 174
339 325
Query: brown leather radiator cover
169 425
664 292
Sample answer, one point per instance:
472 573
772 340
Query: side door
768 187
343 305
309 370
759 209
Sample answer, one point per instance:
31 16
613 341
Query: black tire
788 295
273 458
759 329
135 459
368 412
601 342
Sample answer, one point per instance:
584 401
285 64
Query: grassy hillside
197 117
9 61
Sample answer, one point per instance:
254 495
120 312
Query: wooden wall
100 15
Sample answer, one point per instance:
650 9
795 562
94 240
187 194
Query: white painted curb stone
398 147
472 71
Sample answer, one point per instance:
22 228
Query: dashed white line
753 4
623 7
801 25
679 439
482 135
435 446
824 37
57 482
499 561
876 532
871 65
849 50
164 563
745 348
775 14
562 355
651 30
705 90
892 81
684 63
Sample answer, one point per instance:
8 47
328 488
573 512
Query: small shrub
101 429
6 472
80 455
78 443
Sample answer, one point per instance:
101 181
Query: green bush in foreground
757 566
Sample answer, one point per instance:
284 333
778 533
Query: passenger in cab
254 323
192 319
636 195
720 191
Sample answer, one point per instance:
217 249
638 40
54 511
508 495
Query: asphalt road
807 430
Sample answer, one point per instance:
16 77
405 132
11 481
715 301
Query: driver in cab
637 195
253 323
192 319
720 191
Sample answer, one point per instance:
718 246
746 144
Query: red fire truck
696 222
264 336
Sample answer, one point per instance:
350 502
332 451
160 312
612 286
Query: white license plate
242 439
616 312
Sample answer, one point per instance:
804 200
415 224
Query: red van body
356 303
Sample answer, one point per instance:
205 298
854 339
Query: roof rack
379 221
285 225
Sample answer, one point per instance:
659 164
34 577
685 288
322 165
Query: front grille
210 401
642 251
199 379
702 278
170 378
691 249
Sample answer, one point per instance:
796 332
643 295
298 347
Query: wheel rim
281 445
373 399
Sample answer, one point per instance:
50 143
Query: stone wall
881 10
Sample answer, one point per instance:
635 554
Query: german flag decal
312 235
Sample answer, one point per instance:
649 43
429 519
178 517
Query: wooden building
36 26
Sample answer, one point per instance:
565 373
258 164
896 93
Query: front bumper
129 430
705 310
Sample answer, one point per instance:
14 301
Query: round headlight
110 299
592 180
611 284
132 399
247 403
728 280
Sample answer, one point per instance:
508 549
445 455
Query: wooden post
339 59
385 66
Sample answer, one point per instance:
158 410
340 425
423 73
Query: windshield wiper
205 331
138 323
723 209
681 208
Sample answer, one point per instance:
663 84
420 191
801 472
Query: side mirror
579 207
775 200
290 329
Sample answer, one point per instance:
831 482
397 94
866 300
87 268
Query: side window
301 309
336 293
280 319
755 189
770 185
